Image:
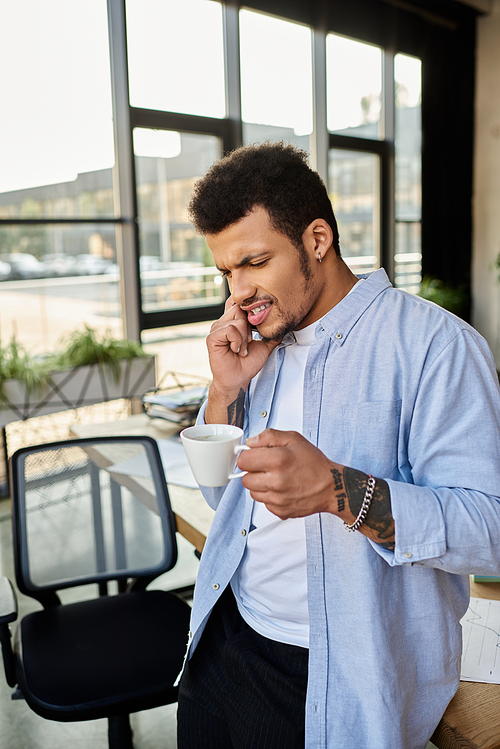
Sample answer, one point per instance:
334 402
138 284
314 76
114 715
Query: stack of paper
181 406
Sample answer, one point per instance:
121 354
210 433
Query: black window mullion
187 123
352 143
231 25
387 169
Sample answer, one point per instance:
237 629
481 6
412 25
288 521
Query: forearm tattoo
379 517
339 487
236 410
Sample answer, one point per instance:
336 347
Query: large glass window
276 79
176 56
353 184
176 266
354 117
202 77
56 159
58 277
354 87
56 127
408 194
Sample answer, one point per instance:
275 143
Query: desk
472 719
193 516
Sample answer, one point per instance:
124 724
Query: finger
273 438
256 484
259 461
233 310
281 511
226 335
224 322
266 470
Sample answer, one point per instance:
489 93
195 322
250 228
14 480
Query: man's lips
258 314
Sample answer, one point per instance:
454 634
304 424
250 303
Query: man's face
278 289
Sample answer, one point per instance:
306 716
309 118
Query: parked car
91 265
113 270
149 266
151 262
57 264
4 270
23 266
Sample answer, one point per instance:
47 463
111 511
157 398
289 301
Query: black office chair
93 511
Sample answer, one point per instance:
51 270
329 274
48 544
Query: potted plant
452 298
86 368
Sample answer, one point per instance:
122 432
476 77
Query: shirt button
408 554
338 336
243 532
263 414
216 586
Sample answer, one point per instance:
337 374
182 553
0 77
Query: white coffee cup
211 450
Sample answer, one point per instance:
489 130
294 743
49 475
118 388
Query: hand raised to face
234 356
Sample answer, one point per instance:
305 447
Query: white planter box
81 386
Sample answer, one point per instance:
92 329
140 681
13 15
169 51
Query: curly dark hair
275 176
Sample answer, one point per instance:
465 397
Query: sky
55 84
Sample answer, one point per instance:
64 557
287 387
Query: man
329 594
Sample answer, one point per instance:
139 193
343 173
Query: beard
291 321
285 326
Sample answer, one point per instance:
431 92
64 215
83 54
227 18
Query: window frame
229 132
445 42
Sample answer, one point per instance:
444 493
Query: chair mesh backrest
90 510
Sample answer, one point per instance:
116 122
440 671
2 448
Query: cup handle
237 450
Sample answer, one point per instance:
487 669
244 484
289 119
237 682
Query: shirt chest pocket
371 435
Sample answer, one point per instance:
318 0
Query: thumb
272 438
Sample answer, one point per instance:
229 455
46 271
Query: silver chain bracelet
365 506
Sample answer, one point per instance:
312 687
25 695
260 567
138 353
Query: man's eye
259 264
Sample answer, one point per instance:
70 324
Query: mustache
255 299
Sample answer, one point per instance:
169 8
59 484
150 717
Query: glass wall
354 87
75 281
353 183
355 113
176 56
198 79
176 267
408 171
56 157
276 79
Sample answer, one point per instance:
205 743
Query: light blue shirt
396 387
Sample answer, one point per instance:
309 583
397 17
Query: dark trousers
241 690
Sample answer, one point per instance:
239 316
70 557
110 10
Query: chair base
120 732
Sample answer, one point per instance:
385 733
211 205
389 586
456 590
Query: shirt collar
340 320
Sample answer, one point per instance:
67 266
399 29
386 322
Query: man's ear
318 238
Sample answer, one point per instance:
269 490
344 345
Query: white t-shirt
270 585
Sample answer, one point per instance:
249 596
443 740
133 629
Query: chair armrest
8 601
8 613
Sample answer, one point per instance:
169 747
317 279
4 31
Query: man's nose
241 288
